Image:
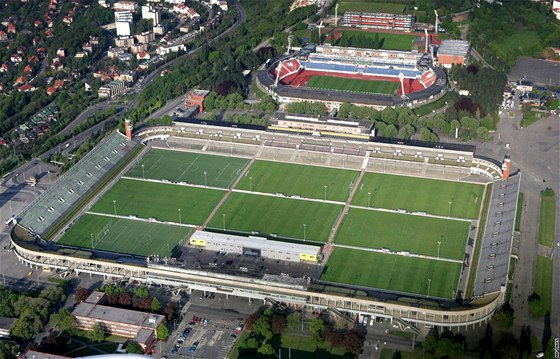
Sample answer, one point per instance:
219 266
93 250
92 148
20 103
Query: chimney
128 129
506 168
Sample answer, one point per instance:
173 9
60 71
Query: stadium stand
51 205
367 70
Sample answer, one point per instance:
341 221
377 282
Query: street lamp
179 209
429 284
304 231
224 220
438 245
369 199
115 206
143 176
205 185
325 192
449 213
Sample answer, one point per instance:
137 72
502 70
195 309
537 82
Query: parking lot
205 332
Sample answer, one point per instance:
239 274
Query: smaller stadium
365 77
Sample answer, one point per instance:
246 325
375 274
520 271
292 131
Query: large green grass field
518 41
125 235
159 200
543 287
389 41
275 215
420 195
293 179
189 167
402 232
547 217
392 272
369 6
352 85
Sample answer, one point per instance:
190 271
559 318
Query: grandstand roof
368 125
454 47
255 242
75 183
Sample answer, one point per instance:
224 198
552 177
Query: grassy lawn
293 179
159 200
403 232
368 6
125 235
353 85
518 212
543 286
401 334
188 167
392 272
547 217
420 195
388 41
519 40
423 110
387 353
275 215
530 117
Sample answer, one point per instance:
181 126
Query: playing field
420 195
393 272
293 179
125 236
188 167
403 232
389 41
160 201
284 217
353 85
369 6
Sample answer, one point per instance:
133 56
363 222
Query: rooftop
125 316
31 354
6 322
252 242
454 47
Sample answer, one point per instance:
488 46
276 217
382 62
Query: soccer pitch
125 235
189 167
404 232
160 201
289 218
420 195
392 272
293 179
388 41
353 85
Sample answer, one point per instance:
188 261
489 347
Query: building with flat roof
255 246
196 98
112 89
123 322
453 52
376 20
5 324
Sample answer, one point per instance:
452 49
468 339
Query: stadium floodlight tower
290 38
437 22
336 15
401 80
278 68
319 27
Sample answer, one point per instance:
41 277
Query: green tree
63 320
406 132
262 327
316 326
430 344
504 317
162 333
134 348
156 305
96 334
294 320
8 349
278 324
142 292
266 349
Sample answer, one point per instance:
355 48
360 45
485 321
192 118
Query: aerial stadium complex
364 77
419 234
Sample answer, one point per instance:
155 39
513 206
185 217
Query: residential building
126 76
5 324
114 52
3 35
136 49
160 29
111 89
123 20
196 98
150 12
139 326
146 37
167 49
125 6
124 41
